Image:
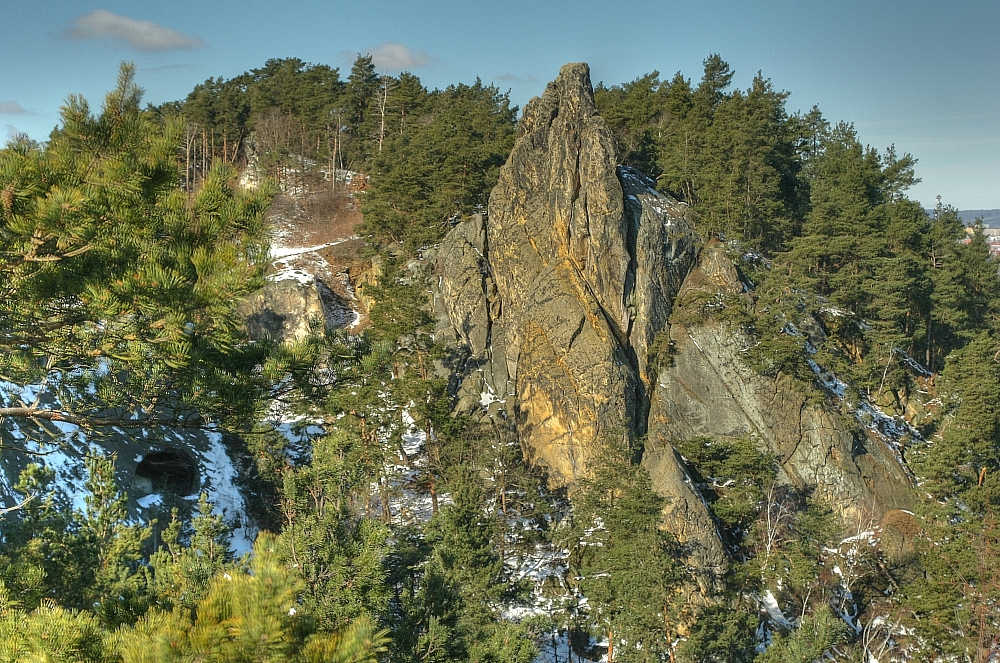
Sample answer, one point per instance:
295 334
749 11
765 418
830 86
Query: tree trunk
432 486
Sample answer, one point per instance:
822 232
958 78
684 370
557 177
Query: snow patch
774 610
220 484
151 500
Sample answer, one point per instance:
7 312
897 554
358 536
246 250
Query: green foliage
735 155
247 615
627 565
84 558
815 636
732 474
950 608
455 614
50 633
338 556
786 546
439 166
181 573
964 460
120 291
697 306
721 635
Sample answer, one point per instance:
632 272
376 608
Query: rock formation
709 391
561 299
559 296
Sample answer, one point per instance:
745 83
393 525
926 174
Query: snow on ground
774 610
297 429
409 502
650 196
219 481
293 274
279 251
151 500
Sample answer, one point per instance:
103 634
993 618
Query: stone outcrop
289 309
559 304
559 296
560 293
709 391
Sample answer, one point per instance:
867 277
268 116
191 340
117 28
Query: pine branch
99 421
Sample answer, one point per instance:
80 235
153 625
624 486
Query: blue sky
922 75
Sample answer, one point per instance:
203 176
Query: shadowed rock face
708 391
559 296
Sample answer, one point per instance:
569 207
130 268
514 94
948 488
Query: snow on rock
219 481
774 610
66 462
893 431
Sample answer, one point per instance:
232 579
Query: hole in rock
167 471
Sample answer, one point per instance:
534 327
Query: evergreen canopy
118 290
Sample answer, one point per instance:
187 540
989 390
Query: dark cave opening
169 471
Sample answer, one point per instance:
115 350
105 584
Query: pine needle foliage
118 290
249 615
626 564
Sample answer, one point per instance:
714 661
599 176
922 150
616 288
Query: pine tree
721 635
437 170
85 558
815 636
50 633
339 555
118 291
455 613
356 101
247 615
181 573
626 563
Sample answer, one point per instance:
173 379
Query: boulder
288 309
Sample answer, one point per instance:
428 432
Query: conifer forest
372 505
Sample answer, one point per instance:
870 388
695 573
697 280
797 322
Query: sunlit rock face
559 294
558 301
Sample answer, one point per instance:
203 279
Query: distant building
992 237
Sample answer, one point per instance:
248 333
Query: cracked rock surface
709 392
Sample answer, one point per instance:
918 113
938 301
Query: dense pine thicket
818 222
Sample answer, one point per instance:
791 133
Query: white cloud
513 78
140 35
394 56
11 107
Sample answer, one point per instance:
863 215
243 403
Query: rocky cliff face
560 294
707 390
561 298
